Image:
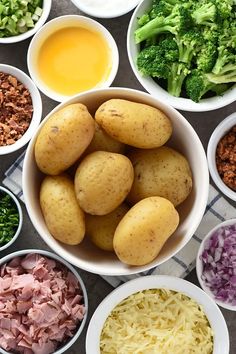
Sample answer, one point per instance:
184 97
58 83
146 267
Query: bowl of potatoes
115 181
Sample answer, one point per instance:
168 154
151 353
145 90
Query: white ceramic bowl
199 267
216 136
87 256
5 190
154 89
37 106
65 22
22 253
215 317
106 9
47 4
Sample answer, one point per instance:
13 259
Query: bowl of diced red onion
216 264
43 303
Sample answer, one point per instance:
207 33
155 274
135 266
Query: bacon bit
226 158
16 109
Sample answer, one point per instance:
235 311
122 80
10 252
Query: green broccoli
178 20
176 76
197 85
189 44
150 62
207 56
204 13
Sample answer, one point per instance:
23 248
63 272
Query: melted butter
73 59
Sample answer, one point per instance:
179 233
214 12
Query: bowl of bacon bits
216 264
221 155
43 303
20 109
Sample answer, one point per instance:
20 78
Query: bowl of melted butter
72 54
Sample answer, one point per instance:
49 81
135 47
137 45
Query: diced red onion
219 264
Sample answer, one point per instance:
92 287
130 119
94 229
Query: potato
103 142
62 213
102 182
141 234
63 138
101 229
135 124
160 172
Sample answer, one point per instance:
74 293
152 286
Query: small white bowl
4 190
37 108
106 9
220 131
47 4
199 267
64 22
157 91
22 253
184 139
215 317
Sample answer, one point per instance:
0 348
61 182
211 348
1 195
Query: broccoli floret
226 75
197 85
161 8
155 60
204 14
176 76
223 9
188 44
226 56
143 19
178 20
150 62
207 56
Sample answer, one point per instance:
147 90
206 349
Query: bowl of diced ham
216 264
43 303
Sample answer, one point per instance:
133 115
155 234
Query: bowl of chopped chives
21 19
11 218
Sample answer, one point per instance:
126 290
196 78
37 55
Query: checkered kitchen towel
217 210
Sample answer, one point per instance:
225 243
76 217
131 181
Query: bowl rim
37 107
47 4
154 282
107 36
217 134
54 256
203 197
89 10
19 209
199 264
185 104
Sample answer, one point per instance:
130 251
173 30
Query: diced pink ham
40 305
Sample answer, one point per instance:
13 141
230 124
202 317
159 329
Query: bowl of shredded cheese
157 314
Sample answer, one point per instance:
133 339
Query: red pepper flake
226 158
16 109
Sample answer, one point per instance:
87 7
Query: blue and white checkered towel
217 210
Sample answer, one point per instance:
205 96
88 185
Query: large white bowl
152 87
65 22
219 132
23 253
47 4
215 317
184 139
37 108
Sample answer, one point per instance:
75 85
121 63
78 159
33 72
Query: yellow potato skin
134 124
160 172
141 234
103 142
63 138
102 182
101 229
63 215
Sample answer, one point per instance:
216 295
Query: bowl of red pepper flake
221 155
20 109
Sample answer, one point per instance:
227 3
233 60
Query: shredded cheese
157 321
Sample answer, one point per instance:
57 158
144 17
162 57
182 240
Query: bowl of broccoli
184 51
